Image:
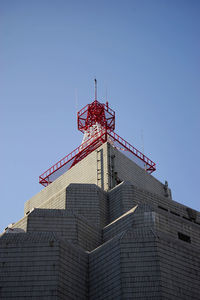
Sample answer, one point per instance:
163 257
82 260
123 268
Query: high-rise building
102 228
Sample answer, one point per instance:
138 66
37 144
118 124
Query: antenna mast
95 83
97 122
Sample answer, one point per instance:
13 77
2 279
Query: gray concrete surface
87 236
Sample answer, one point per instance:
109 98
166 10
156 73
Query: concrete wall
140 270
150 216
121 199
67 225
127 170
29 266
180 269
126 267
126 195
64 223
119 225
22 223
152 266
103 167
73 273
173 225
87 240
40 266
89 201
140 216
104 271
83 172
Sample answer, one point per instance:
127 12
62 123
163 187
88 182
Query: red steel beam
43 179
89 146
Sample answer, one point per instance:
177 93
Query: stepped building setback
102 228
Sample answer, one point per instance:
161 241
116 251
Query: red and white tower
97 122
95 118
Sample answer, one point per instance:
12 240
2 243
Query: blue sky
145 56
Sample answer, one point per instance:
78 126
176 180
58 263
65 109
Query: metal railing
133 150
43 178
90 145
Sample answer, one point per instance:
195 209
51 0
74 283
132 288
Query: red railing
44 178
85 108
151 165
87 147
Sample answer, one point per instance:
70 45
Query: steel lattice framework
96 113
97 122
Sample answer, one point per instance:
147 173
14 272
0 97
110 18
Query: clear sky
146 58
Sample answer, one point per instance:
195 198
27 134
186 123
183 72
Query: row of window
181 236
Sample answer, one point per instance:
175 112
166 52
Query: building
103 228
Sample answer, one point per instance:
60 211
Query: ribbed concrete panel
142 216
173 225
180 269
83 172
66 224
104 271
73 273
102 171
89 201
90 237
145 215
119 225
29 266
126 195
121 199
127 170
21 224
140 269
40 266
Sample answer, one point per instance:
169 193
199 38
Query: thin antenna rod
76 100
95 83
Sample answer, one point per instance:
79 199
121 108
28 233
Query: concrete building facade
105 229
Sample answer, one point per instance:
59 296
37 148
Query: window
184 237
161 207
174 213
